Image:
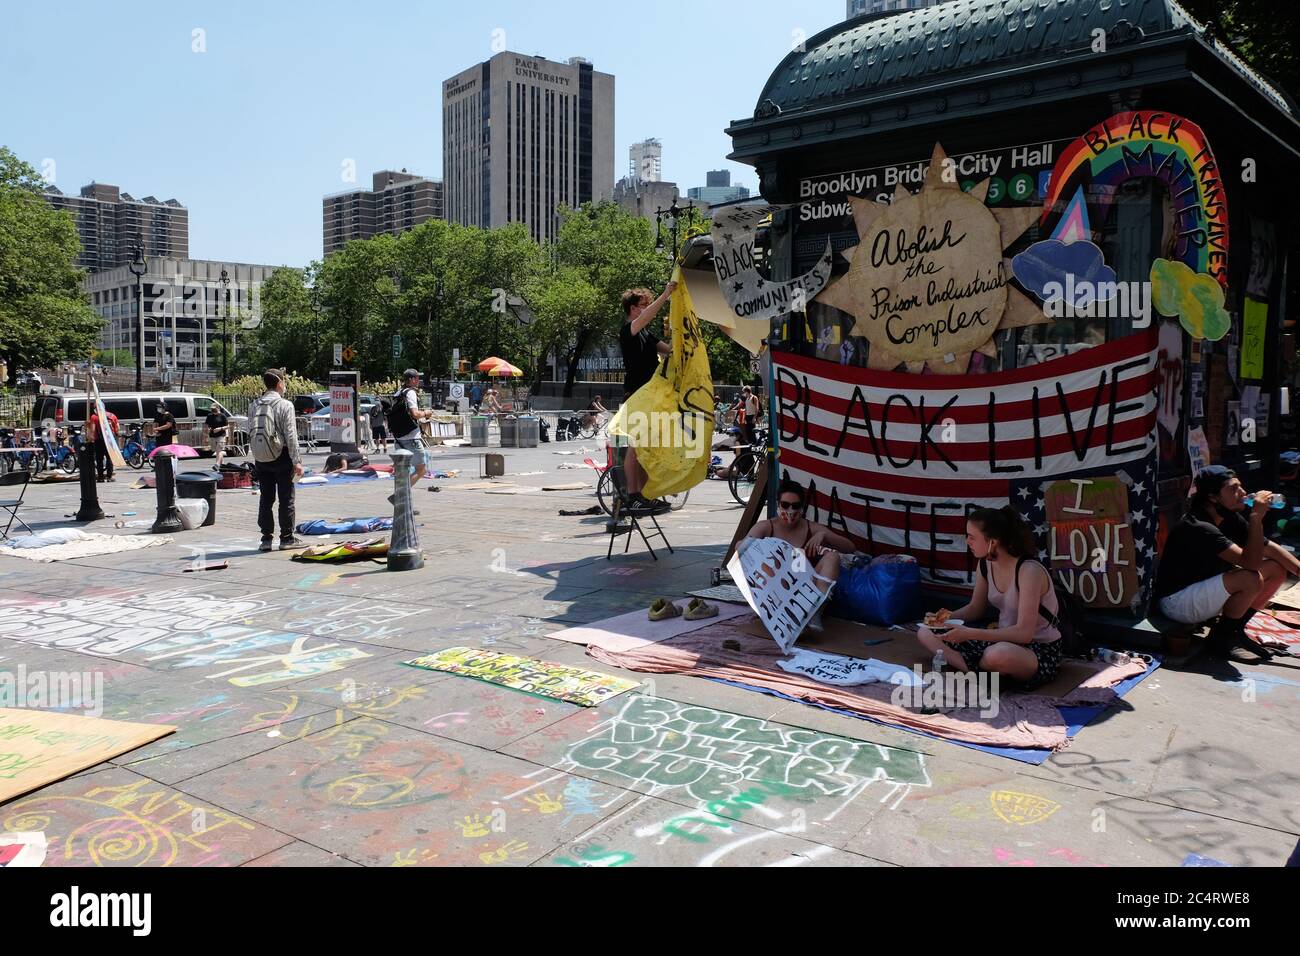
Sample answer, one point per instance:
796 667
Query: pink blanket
1024 719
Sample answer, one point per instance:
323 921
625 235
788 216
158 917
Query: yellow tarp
669 420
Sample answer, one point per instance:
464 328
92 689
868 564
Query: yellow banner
669 420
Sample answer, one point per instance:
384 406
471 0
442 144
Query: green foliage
252 386
44 316
1262 34
119 358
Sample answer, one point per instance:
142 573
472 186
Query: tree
115 358
44 314
291 335
1262 34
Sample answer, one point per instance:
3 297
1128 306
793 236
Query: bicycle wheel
588 429
743 475
69 462
605 492
136 459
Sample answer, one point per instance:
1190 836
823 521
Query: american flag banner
897 460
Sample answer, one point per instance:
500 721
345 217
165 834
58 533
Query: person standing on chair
641 350
273 430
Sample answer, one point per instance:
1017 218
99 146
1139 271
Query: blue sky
250 134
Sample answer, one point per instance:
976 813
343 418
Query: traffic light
464 367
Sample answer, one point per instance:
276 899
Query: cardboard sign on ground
557 681
41 746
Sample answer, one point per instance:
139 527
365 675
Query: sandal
698 610
662 609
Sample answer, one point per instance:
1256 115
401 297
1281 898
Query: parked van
137 408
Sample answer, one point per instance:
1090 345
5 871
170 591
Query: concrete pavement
303 740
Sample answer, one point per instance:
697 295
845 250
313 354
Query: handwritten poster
1198 449
1091 541
751 297
779 584
557 681
1254 330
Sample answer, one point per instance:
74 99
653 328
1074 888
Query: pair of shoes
289 543
698 610
266 545
662 609
638 505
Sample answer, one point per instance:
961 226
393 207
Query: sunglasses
789 506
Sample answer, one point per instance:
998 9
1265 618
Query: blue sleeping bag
346 526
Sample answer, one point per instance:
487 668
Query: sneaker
291 542
266 545
1247 651
698 610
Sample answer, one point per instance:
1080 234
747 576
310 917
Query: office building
522 135
184 309
397 201
642 198
718 189
111 222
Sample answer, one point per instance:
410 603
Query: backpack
1069 617
400 422
267 442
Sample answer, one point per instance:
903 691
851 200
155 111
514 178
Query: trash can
200 484
510 432
478 431
528 432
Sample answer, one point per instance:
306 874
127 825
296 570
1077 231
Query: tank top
1008 605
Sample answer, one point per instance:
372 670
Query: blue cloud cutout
1051 260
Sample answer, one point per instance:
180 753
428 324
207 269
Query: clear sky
250 134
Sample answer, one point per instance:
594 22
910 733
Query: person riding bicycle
591 417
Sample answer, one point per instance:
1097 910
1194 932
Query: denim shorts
420 454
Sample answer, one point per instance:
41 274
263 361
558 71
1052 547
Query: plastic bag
885 592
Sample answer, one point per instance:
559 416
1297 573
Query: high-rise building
184 309
857 8
718 188
397 202
645 161
523 134
111 222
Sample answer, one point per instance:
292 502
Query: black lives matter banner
896 460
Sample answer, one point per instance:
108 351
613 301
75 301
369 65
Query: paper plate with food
941 621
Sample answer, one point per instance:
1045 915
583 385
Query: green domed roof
890 52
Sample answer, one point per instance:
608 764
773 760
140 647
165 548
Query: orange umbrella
490 363
505 370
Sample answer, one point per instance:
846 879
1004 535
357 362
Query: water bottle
939 661
1278 502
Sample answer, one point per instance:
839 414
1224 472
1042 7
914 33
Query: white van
137 408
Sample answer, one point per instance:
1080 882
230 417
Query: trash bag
879 592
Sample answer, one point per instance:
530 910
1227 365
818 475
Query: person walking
476 396
405 418
273 431
217 425
379 425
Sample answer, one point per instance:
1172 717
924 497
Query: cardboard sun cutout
927 283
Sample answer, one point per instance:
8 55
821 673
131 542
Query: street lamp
674 215
225 330
138 266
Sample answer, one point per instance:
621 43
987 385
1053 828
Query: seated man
1218 564
820 544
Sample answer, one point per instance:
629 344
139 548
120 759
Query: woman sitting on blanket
1023 646
822 546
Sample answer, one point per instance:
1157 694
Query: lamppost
225 330
138 266
436 384
674 215
313 300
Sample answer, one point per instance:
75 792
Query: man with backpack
404 417
273 431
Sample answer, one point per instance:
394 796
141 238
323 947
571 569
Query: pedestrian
641 350
492 400
404 419
273 432
164 426
476 396
747 417
218 425
379 424
95 435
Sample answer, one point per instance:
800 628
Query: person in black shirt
1217 563
217 425
164 429
641 350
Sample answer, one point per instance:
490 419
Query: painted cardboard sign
927 284
750 296
1091 545
1252 339
557 681
779 584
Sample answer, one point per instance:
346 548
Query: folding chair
19 477
615 527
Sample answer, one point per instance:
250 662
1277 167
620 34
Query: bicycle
747 467
591 425
24 460
58 452
607 494
137 448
